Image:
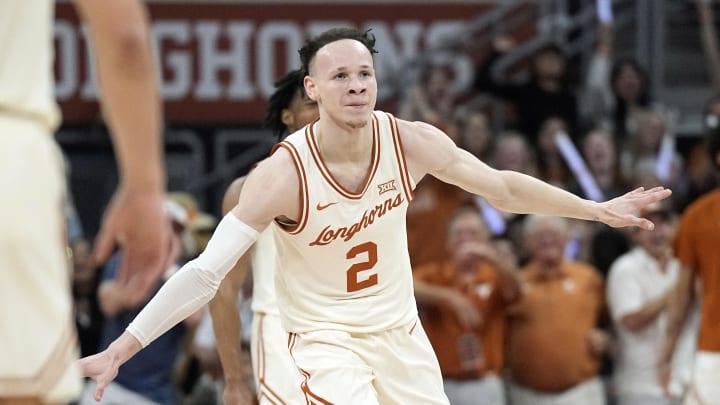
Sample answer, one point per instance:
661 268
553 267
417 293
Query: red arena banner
219 60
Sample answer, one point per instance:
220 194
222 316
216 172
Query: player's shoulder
699 209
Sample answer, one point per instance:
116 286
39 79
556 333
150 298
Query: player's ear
310 88
287 118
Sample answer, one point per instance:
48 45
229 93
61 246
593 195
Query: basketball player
37 336
696 247
276 378
336 193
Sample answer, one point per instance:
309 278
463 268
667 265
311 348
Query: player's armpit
270 190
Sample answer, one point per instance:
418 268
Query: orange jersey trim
400 156
311 397
375 162
302 180
264 389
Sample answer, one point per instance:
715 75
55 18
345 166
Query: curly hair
311 47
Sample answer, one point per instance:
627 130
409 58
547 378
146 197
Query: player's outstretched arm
270 191
131 106
429 150
226 318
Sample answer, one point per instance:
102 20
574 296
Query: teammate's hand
622 211
101 368
135 221
238 393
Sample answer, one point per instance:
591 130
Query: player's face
301 111
342 81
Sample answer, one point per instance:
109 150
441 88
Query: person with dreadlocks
275 375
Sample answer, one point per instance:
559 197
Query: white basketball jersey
263 271
26 61
345 264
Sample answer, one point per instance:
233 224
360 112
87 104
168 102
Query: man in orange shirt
554 345
464 301
696 247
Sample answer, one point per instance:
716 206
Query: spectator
427 218
546 94
643 155
554 346
463 301
550 163
147 378
474 133
512 152
431 99
601 155
639 286
613 92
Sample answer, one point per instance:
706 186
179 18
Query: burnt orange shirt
697 246
427 218
548 327
444 330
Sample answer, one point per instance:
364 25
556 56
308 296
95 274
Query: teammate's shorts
277 380
38 346
705 387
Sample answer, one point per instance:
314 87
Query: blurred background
219 60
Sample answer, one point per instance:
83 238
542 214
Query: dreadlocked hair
285 89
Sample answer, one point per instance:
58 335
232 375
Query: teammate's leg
37 334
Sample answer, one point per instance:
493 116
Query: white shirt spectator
636 279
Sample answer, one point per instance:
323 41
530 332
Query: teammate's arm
429 150
226 317
131 106
271 190
677 308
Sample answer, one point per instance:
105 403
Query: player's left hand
623 211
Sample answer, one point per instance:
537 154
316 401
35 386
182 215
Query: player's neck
342 143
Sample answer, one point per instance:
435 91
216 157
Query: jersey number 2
353 284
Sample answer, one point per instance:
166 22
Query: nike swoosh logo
322 207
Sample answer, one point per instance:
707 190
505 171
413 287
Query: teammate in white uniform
276 378
38 346
343 276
